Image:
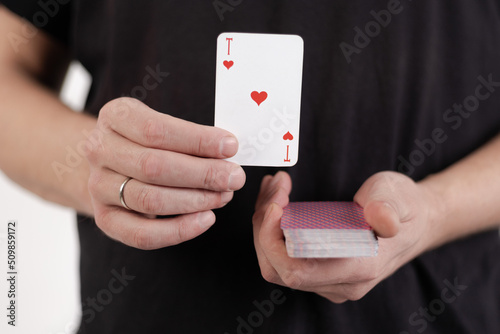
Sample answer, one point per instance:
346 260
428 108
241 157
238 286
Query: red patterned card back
324 215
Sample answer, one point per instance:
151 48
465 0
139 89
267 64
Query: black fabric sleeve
52 16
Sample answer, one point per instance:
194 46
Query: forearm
467 195
36 130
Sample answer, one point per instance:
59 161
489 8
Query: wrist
437 212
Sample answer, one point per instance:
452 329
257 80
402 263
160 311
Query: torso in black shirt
358 118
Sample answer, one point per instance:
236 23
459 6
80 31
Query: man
388 87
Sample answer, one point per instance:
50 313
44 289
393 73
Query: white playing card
257 98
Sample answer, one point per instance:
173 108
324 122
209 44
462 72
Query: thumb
382 198
382 218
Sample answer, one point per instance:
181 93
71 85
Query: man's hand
176 169
399 210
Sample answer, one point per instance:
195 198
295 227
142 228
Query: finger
136 121
151 199
263 190
273 190
277 194
273 245
383 218
269 273
140 232
382 197
266 269
169 168
279 184
283 180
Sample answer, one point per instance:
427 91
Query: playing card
258 93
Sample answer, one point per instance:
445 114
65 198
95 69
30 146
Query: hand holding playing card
399 210
169 166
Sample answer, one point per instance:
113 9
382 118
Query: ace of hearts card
258 94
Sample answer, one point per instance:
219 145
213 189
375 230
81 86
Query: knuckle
154 133
355 292
293 278
94 183
94 152
141 239
94 142
369 271
371 275
117 109
217 200
182 232
374 271
210 179
269 275
310 265
220 199
150 166
200 146
117 106
103 219
107 110
150 200
203 200
217 175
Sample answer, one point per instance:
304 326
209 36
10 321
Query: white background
48 251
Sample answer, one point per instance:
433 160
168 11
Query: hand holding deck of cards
258 94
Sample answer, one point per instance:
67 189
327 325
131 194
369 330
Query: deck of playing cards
327 229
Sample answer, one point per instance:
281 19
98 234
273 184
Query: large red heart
258 97
288 136
228 64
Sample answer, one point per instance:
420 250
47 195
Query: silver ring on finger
122 190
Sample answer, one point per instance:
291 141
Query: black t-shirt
381 78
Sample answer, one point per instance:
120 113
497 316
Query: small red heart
258 97
228 64
288 136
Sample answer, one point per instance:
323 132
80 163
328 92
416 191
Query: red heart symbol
288 136
259 97
228 64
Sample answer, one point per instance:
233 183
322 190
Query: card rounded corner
293 163
300 38
221 34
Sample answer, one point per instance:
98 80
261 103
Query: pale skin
175 172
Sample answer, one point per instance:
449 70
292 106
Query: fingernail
206 219
276 179
226 197
236 178
228 146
